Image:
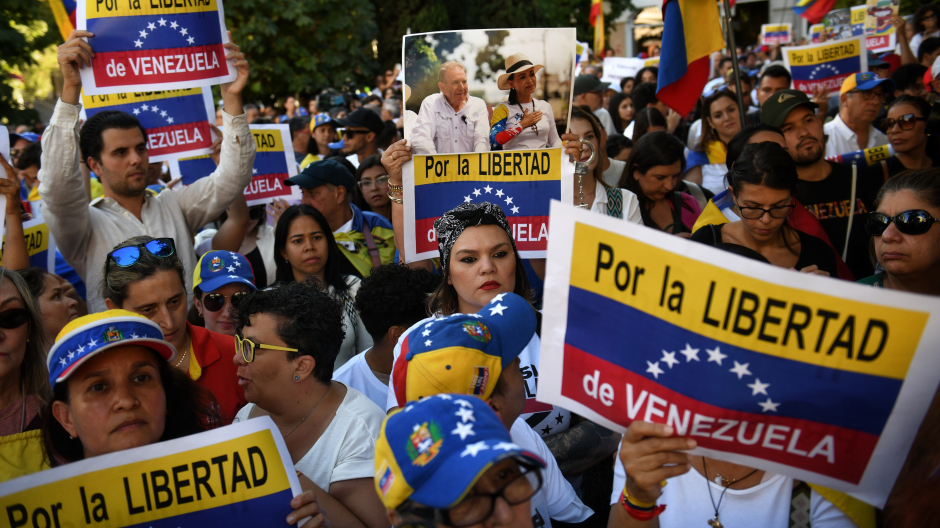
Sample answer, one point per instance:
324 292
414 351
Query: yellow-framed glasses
247 348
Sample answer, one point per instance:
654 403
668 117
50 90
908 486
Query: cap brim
503 82
214 284
601 87
165 349
304 181
782 116
875 82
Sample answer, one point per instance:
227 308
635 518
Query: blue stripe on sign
269 510
826 69
531 197
632 338
271 162
185 109
195 168
122 33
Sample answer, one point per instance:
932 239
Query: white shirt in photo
544 134
356 373
843 141
441 130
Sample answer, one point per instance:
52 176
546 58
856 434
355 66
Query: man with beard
114 146
451 121
826 188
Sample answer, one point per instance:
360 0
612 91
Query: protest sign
5 144
154 45
521 182
238 475
274 162
39 243
858 20
617 68
775 33
176 121
879 32
798 374
817 33
826 64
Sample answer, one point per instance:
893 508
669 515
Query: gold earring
200 313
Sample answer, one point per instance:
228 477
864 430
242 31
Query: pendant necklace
714 522
536 125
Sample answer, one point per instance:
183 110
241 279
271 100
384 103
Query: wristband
641 511
396 188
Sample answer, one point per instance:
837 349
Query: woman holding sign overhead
523 122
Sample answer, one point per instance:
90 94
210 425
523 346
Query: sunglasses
913 222
352 133
13 318
906 122
128 256
247 347
213 302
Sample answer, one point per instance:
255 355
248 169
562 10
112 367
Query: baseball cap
775 110
321 173
92 334
588 83
363 118
865 81
320 120
32 137
464 353
875 62
218 268
433 451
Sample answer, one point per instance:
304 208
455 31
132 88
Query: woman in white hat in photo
522 122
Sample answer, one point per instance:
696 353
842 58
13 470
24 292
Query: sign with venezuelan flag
274 162
775 33
817 33
858 20
39 244
826 64
809 376
879 32
154 45
521 182
176 121
238 475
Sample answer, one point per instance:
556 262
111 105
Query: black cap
322 172
775 110
588 83
363 118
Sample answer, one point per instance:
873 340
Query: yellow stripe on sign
116 8
218 475
509 166
98 101
268 140
195 157
825 53
746 312
37 239
772 29
858 14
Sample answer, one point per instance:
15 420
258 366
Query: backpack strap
370 243
614 202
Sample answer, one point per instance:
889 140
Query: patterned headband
450 226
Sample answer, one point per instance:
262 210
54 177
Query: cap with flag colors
865 81
463 353
218 268
691 32
433 451
92 334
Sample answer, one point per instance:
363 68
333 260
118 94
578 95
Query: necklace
714 522
180 362
536 125
310 411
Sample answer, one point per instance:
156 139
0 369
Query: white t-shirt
612 174
843 141
357 338
509 117
356 374
606 121
346 450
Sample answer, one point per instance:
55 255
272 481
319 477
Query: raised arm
15 253
396 155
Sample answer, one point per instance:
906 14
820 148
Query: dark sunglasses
13 318
906 122
913 222
351 133
213 302
128 256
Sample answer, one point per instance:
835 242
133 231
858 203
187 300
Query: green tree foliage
25 26
303 46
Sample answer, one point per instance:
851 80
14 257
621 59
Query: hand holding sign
305 506
646 450
10 187
235 87
75 54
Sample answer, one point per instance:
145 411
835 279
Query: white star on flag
654 369
137 111
689 353
154 109
669 358
467 199
169 120
476 192
254 170
234 277
63 361
81 349
445 396
427 343
758 387
498 309
143 34
716 355
464 430
474 315
71 354
151 26
144 107
768 405
138 43
508 199
162 21
488 189
426 333
230 269
515 209
183 31
163 113
463 403
506 446
190 40
473 449
92 343
465 415
238 264
174 25
498 298
741 370
429 324
134 336
500 192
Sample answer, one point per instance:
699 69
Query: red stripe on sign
529 232
533 406
123 68
623 396
267 186
178 138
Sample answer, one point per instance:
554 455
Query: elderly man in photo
451 121
860 100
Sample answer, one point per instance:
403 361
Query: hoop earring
200 313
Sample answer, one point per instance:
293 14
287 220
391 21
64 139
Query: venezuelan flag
813 10
691 32
64 13
597 20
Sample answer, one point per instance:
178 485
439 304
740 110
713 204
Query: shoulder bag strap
370 242
614 202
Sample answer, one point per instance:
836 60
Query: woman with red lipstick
523 122
906 128
720 122
373 184
144 275
763 181
220 278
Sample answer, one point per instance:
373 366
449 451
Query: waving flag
813 10
817 379
146 46
775 33
597 20
828 63
64 13
177 121
691 32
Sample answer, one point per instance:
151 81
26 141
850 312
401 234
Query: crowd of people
319 323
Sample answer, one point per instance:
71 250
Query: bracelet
396 188
392 198
641 511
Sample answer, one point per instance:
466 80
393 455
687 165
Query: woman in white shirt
925 26
522 122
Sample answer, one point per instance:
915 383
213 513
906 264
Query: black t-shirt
812 250
895 166
257 268
829 201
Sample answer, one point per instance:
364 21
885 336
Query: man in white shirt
860 100
451 121
589 91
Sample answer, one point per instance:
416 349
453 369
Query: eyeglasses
381 181
913 222
869 95
128 256
213 302
248 347
13 318
475 509
906 122
756 213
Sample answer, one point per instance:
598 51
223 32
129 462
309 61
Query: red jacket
214 352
